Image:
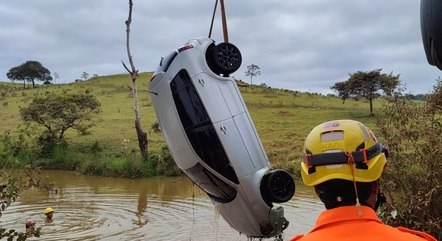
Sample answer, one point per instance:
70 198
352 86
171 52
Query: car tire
277 186
435 57
224 58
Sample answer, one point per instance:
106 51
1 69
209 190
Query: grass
282 118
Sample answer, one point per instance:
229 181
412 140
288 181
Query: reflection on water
98 208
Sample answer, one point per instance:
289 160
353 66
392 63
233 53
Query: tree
29 71
252 71
133 72
367 85
85 75
56 77
58 113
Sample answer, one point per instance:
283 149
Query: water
159 209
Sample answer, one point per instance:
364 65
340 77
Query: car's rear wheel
435 57
224 58
277 186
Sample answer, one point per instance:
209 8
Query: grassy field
282 118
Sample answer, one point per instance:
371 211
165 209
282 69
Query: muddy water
160 209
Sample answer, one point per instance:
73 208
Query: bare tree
252 71
56 76
133 72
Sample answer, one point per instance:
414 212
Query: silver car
212 139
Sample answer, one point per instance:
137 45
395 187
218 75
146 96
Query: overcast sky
305 45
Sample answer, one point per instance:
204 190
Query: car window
215 188
165 62
198 126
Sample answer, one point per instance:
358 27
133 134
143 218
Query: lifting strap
223 19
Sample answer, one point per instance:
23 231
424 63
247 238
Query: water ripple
92 208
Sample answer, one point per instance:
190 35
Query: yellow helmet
49 210
342 149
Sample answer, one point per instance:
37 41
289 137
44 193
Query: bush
413 134
61 158
59 113
18 148
162 163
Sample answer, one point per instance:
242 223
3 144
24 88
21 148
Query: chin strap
351 161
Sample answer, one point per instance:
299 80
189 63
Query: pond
159 209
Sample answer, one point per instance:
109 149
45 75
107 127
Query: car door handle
223 129
201 81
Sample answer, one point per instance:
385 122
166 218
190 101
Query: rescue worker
344 161
49 212
30 227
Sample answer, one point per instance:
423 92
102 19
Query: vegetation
109 148
59 113
413 133
11 186
252 71
420 97
85 75
283 118
30 71
367 85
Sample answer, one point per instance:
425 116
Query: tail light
185 47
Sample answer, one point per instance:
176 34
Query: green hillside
282 118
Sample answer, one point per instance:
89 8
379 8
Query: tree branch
133 72
124 65
142 136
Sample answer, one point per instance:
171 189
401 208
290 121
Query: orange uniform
350 223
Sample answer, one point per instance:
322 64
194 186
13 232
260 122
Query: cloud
304 44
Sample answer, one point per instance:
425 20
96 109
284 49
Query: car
213 140
431 31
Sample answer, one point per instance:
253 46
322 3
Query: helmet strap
351 163
381 199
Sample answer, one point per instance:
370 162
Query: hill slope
283 118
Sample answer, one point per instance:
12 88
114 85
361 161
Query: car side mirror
431 28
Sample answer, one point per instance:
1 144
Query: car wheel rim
228 56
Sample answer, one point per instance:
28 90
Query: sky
305 45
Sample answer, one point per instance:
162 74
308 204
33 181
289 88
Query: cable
223 19
213 18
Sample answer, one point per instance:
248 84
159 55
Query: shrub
18 148
59 113
413 134
162 163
